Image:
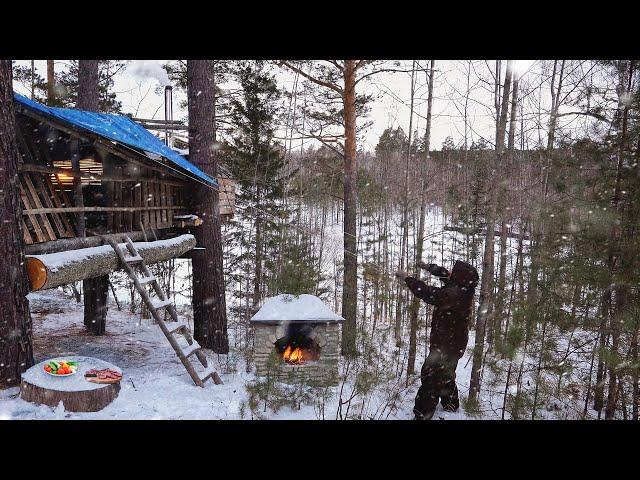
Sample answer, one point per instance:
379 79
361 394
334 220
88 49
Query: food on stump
106 375
61 368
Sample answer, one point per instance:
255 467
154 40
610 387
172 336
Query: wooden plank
127 197
163 202
137 202
35 200
156 204
48 202
117 202
110 215
169 211
26 236
145 203
68 229
26 205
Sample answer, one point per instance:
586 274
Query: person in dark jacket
449 333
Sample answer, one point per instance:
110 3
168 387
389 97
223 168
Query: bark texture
486 284
51 82
16 354
350 287
209 305
96 290
88 86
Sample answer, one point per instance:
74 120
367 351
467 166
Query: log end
36 272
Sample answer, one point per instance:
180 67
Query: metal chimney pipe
168 113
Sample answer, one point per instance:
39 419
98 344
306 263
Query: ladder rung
208 372
177 326
161 304
130 259
146 280
191 349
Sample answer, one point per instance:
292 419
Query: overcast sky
139 88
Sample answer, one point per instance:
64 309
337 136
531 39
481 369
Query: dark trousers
438 384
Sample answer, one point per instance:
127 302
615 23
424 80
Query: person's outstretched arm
433 269
420 289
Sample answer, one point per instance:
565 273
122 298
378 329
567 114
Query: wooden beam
56 269
28 167
40 211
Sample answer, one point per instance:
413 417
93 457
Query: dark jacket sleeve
437 270
423 291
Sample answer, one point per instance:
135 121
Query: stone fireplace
297 337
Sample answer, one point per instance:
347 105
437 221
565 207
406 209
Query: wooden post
96 290
77 185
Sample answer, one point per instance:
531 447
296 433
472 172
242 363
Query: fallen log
65 244
54 269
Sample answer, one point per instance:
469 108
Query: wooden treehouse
99 193
85 174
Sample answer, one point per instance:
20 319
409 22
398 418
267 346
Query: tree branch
315 80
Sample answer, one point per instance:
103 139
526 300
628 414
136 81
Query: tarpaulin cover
119 128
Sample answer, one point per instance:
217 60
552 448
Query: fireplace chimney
168 113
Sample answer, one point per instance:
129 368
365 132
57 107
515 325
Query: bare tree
486 282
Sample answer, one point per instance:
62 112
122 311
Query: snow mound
290 308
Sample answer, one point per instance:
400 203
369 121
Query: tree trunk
51 82
486 284
96 290
404 247
16 353
350 286
88 86
209 305
414 307
257 279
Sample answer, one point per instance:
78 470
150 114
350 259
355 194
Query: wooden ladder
132 258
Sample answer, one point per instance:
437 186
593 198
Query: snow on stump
75 392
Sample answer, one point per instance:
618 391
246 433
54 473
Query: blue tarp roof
119 128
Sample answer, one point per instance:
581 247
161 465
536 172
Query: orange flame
292 355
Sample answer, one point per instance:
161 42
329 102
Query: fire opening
297 347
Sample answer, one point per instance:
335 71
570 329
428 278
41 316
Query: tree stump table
75 392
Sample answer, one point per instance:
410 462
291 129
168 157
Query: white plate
56 375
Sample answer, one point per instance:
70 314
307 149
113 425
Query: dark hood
464 275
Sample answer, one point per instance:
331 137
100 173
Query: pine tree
16 353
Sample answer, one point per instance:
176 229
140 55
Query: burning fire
292 355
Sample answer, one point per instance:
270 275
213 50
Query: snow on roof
290 308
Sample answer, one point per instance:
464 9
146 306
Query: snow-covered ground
155 384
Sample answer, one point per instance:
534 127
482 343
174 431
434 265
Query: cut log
61 268
75 392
